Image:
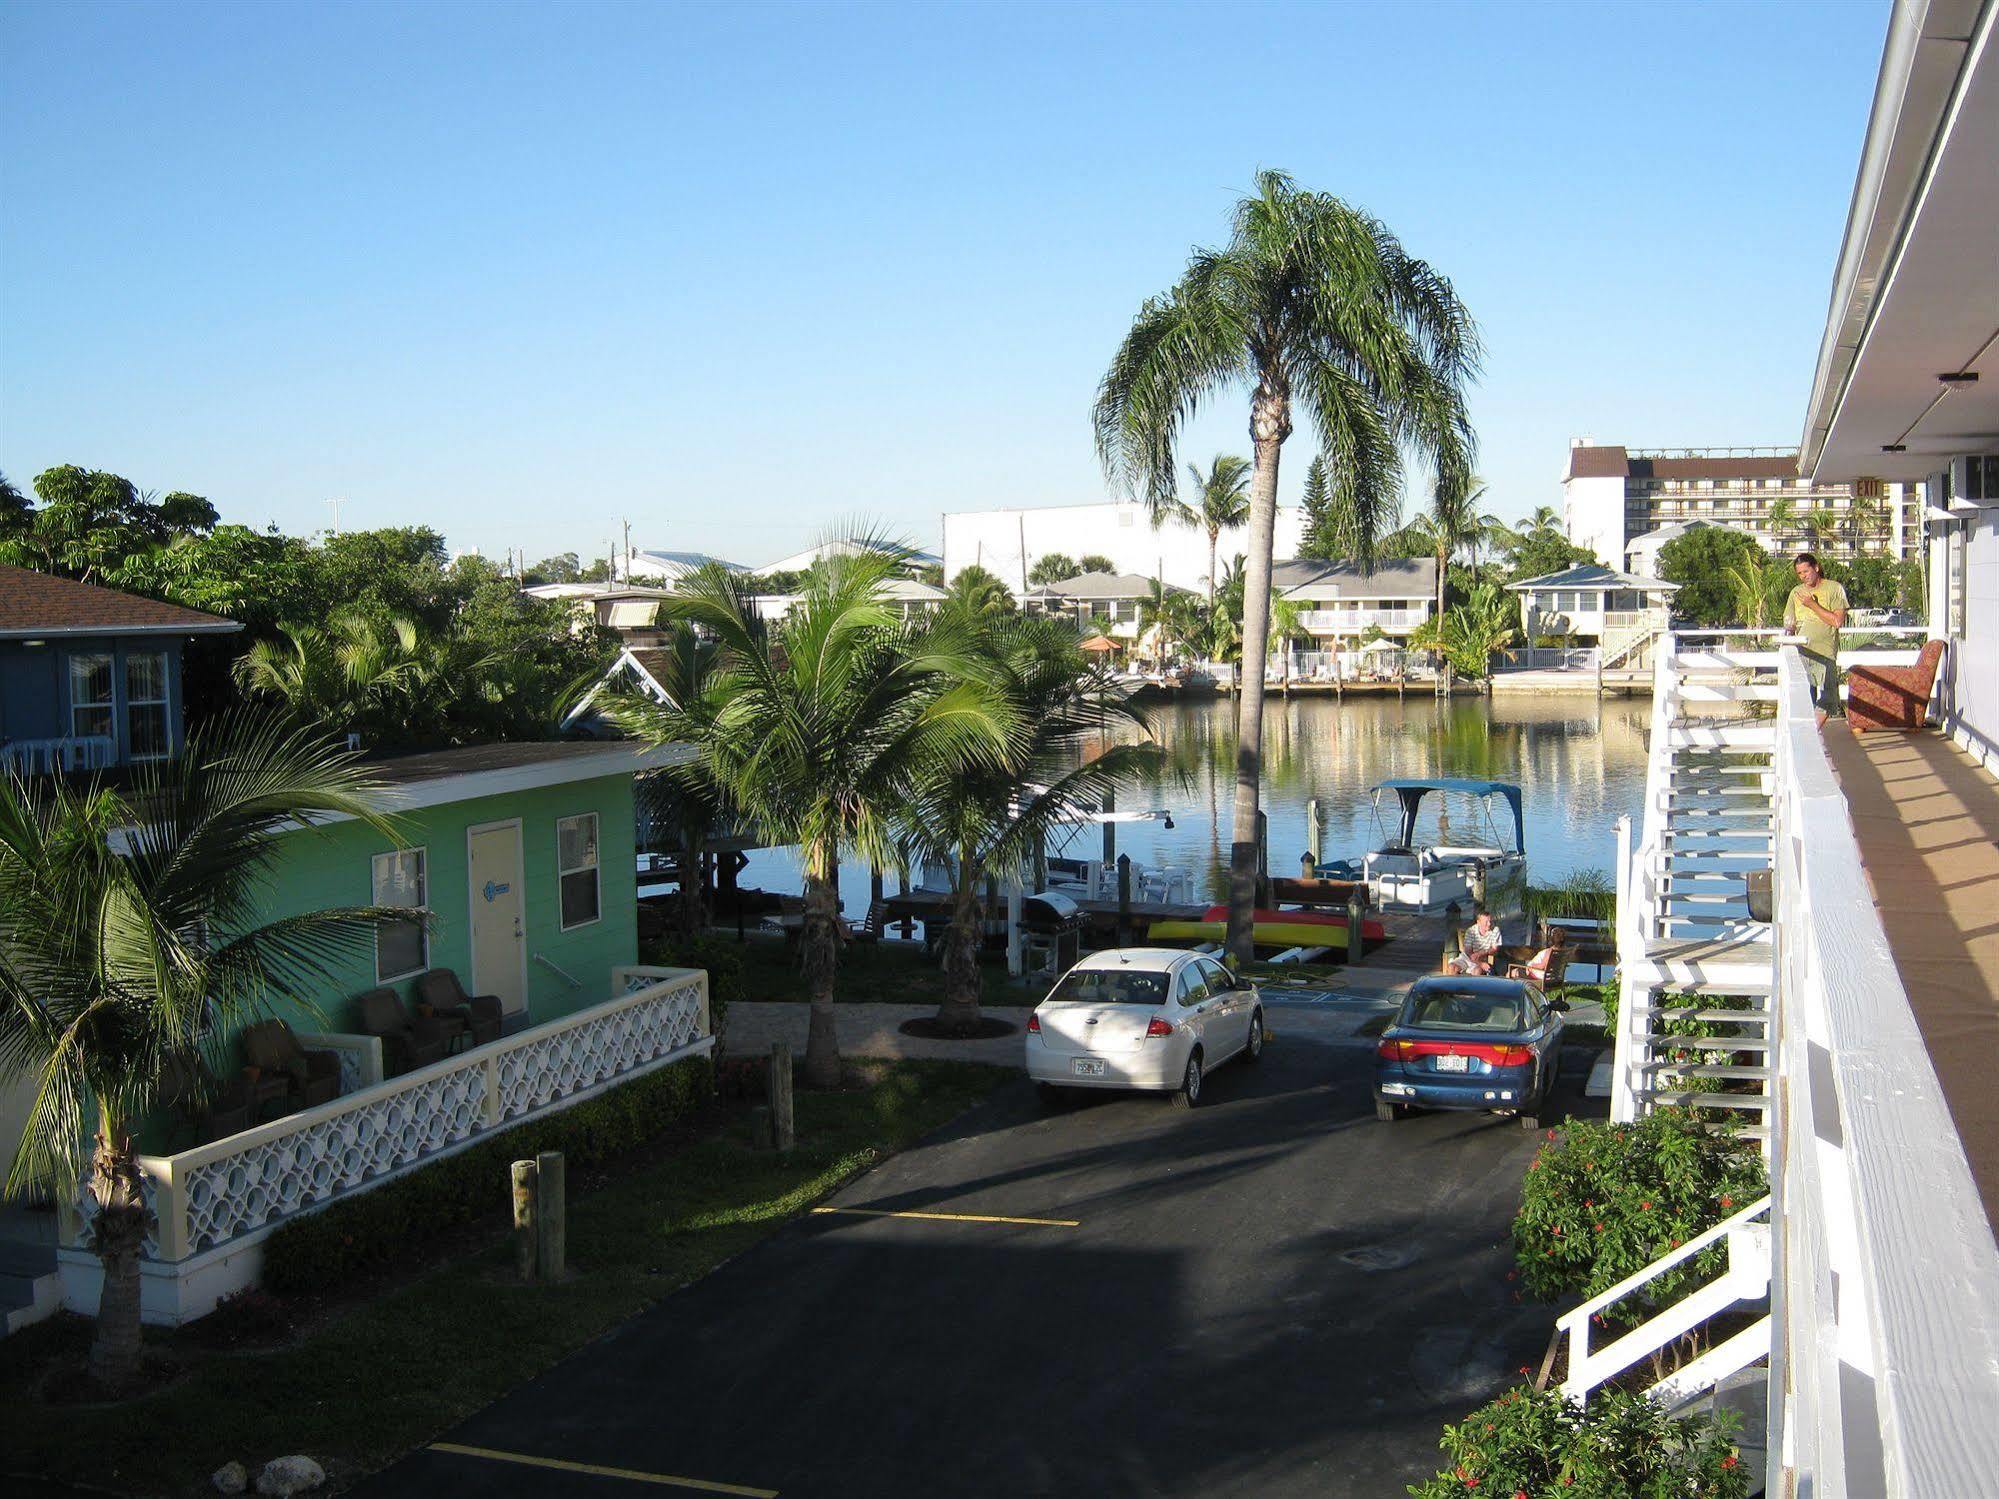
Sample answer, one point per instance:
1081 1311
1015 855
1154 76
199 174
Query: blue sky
742 273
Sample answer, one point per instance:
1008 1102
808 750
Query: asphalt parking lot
1270 1295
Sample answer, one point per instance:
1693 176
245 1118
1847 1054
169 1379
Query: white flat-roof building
1007 543
668 568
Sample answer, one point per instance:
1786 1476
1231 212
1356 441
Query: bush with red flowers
1604 1200
1540 1446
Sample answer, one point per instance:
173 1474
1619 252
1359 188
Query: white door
499 940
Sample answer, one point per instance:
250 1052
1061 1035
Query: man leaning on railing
1815 610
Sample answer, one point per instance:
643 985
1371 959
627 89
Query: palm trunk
964 979
821 949
690 910
118 1234
1214 537
1269 425
1442 561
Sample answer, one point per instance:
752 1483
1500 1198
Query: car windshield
1463 1010
1109 986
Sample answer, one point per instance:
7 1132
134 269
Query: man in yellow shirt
1816 609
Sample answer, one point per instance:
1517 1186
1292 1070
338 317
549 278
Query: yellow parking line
956 1217
598 1470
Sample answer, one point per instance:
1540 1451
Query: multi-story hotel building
1613 497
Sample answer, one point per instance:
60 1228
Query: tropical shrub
1582 892
721 957
1602 1201
388 1226
1541 1446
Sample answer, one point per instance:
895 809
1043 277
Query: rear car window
1452 1010
1110 986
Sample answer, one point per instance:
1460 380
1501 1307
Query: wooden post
550 1229
524 1232
783 1131
1356 941
1040 862
1124 900
1110 830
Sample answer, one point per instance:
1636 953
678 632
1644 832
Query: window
401 947
1218 976
576 861
90 695
146 704
1193 985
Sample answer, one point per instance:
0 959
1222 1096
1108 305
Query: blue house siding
36 699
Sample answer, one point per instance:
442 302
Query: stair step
1664 1039
1684 1012
1725 1070
1672 897
1680 811
1757 1103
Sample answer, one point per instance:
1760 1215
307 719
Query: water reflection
1580 763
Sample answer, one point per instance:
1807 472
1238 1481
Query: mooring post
1124 900
524 1245
783 1133
550 1231
1356 905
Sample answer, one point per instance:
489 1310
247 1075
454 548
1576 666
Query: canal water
1579 761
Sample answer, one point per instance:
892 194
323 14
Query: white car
1152 1018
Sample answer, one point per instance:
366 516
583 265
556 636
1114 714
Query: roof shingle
33 603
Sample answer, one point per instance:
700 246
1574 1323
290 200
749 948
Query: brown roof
1598 463
1617 463
33 603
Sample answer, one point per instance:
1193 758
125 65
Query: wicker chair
480 1015
408 1041
1892 697
311 1077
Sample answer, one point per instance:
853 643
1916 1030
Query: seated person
1535 969
1478 944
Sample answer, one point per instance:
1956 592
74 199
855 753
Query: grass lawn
374 1380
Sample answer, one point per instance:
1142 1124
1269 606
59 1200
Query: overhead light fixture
1962 377
1894 447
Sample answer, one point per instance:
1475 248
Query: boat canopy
1410 794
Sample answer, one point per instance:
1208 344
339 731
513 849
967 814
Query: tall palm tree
1222 501
819 728
1783 516
1822 521
1287 622
975 593
344 674
684 799
1314 306
1453 521
987 819
129 941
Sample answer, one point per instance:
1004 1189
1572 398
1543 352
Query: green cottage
517 864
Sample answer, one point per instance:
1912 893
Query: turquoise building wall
332 866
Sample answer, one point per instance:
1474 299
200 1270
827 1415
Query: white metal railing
1546 658
1746 1278
233 1190
1885 1363
1342 621
64 752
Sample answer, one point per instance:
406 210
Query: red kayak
1370 928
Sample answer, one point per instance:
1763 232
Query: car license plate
1454 1064
1087 1067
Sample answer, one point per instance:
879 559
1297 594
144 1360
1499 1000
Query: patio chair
310 1077
1892 697
480 1014
207 1107
408 1041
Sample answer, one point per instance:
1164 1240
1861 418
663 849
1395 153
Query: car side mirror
1558 1005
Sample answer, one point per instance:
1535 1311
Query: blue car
1477 1044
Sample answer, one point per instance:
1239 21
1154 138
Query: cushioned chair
202 1104
479 1014
311 1077
408 1041
1892 697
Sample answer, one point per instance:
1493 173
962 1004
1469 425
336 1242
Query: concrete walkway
1927 819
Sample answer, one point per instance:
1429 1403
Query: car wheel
1253 1052
1051 1096
1387 1113
1189 1094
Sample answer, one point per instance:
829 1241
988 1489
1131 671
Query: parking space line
955 1217
598 1470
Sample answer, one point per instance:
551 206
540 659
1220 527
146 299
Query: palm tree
1163 609
989 818
1468 636
1223 502
1758 587
1286 623
1452 522
818 729
684 799
976 593
344 675
1783 516
1314 305
127 944
1821 521
1053 567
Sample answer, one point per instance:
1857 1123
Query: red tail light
1158 1026
1034 1024
1498 1055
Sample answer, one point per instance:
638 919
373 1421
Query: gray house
89 677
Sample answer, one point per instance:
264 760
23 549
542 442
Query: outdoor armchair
1892 697
202 1103
408 1041
479 1014
310 1077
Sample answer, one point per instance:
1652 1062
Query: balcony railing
66 752
1353 621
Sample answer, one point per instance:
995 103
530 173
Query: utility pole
628 551
335 505
1023 559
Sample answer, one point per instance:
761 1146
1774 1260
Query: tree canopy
1700 562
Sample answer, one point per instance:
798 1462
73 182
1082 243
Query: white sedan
1151 1018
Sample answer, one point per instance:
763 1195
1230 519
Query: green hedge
721 959
384 1227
